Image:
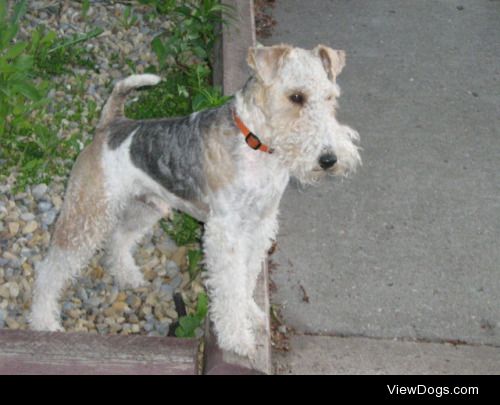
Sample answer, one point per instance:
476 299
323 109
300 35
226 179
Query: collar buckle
251 139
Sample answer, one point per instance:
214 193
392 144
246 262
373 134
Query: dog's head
296 91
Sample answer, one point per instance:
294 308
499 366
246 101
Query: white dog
211 165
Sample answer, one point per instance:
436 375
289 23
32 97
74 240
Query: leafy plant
183 229
194 262
193 32
128 19
20 96
161 6
189 323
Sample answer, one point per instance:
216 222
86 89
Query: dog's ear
266 61
333 60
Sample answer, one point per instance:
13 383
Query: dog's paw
127 275
131 279
45 324
240 341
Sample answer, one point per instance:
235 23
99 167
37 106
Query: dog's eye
297 98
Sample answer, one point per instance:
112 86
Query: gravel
93 303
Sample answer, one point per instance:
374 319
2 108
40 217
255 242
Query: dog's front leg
225 246
263 234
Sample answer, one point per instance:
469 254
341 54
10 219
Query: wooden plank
28 352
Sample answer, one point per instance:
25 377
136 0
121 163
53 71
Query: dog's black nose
327 160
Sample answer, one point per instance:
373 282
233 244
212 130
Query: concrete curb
352 355
230 72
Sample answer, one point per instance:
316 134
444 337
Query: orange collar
251 139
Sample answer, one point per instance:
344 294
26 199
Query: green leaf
24 63
202 307
85 7
183 10
15 50
159 49
27 90
6 67
9 34
3 10
49 37
194 259
19 11
199 102
36 35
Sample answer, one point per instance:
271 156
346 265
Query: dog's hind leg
83 223
140 214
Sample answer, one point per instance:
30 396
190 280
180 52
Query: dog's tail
115 105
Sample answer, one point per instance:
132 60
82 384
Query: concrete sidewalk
409 246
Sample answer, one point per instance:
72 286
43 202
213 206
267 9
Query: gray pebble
68 306
2 319
93 302
27 216
25 252
39 191
15 263
167 291
82 294
176 282
157 283
49 217
149 326
172 269
44 206
167 246
198 333
162 328
3 262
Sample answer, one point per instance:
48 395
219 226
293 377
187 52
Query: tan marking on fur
333 60
266 61
218 162
83 215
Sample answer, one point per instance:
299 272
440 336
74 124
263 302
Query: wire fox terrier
211 166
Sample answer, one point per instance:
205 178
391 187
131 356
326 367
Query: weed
61 54
195 257
85 10
189 323
183 229
128 18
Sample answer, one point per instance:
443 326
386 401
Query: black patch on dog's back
170 151
119 130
